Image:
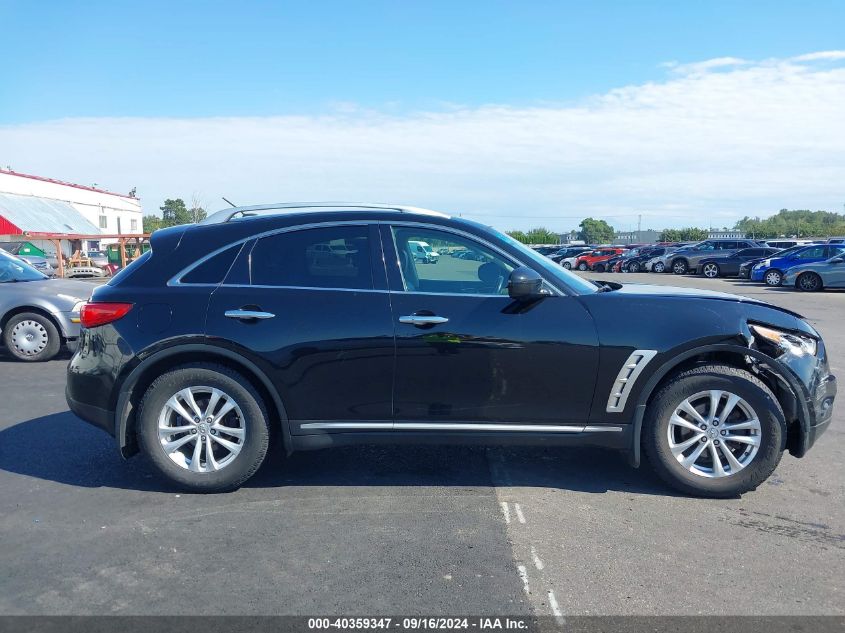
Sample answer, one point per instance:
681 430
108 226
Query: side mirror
838 260
525 283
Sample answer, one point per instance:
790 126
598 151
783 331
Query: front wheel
714 431
31 337
567 265
680 267
659 267
773 277
583 266
711 271
599 268
634 267
808 282
204 427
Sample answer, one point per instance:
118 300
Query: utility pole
639 227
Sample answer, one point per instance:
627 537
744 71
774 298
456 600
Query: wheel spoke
169 447
730 405
718 470
753 440
239 433
686 407
167 431
748 424
188 397
679 421
690 459
732 461
677 449
231 446
228 406
176 406
196 466
210 462
216 395
715 398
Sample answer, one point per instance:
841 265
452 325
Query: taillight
94 314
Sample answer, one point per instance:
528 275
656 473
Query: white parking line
537 562
506 511
519 515
523 574
555 607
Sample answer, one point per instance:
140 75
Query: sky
515 113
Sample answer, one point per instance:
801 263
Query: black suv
315 321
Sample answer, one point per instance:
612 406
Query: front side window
466 267
331 257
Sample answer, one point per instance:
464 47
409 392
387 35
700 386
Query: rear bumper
101 418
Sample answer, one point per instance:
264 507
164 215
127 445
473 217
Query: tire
680 267
757 403
634 267
249 414
711 271
809 282
773 277
31 337
599 268
567 265
658 267
583 266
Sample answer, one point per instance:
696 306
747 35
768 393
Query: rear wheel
31 337
567 265
599 268
634 267
659 267
714 431
809 282
583 266
711 271
680 267
773 277
204 427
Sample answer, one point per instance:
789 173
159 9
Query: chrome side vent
626 378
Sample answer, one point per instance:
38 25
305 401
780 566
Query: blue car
771 270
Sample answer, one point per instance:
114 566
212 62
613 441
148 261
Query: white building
34 204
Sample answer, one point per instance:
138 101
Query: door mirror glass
525 283
838 260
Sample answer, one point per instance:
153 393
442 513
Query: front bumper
758 274
822 405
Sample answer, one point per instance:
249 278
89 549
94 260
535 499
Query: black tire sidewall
816 287
54 339
255 418
772 423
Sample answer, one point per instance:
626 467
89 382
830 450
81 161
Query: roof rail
221 217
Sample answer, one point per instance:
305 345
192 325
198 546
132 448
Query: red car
594 260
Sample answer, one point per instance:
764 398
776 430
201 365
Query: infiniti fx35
315 321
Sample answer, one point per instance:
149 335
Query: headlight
764 264
787 342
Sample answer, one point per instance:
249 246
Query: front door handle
248 315
422 319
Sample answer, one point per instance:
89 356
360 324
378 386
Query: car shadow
39 448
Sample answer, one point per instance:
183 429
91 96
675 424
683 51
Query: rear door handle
248 314
422 319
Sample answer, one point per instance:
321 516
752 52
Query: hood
693 293
73 290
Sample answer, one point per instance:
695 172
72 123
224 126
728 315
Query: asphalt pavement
411 530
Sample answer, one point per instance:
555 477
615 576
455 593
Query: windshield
12 269
548 267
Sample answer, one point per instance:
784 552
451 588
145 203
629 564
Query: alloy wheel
809 282
711 271
659 267
201 429
29 338
634 267
714 434
679 268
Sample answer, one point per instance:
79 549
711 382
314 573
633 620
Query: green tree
689 234
794 223
151 223
175 212
541 235
596 231
519 236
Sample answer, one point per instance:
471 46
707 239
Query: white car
423 253
569 262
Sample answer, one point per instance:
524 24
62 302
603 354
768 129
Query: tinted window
335 257
814 252
466 267
726 246
214 269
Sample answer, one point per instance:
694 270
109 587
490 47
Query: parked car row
807 266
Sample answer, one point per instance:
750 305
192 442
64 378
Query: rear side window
814 252
331 257
214 269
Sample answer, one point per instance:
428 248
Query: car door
466 354
316 320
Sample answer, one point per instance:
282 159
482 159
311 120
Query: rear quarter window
214 269
124 273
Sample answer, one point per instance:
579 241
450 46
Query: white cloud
714 141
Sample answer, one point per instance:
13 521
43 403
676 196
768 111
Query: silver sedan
37 314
